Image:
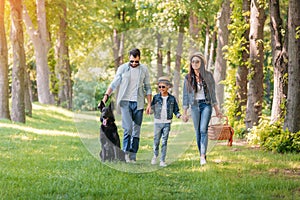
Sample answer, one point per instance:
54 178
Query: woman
199 94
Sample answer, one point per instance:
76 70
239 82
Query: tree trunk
41 42
220 66
17 40
211 51
255 92
292 117
168 71
27 93
121 49
179 49
194 31
280 63
206 47
4 97
159 56
242 71
63 64
116 45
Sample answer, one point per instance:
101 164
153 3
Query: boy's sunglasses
134 61
161 86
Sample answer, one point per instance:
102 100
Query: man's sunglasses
134 61
161 86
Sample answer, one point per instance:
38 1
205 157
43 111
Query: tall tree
124 14
118 47
194 29
27 93
179 50
220 65
206 48
17 40
242 71
168 63
255 92
4 103
159 55
292 117
41 42
210 61
63 69
176 75
280 61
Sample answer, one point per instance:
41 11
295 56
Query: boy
163 106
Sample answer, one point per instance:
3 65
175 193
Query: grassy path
48 159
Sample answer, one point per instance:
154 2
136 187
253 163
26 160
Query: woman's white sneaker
202 161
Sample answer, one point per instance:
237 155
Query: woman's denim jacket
172 106
122 79
209 91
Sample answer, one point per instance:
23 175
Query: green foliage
273 138
54 82
233 56
87 94
235 117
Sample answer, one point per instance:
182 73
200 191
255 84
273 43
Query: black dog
109 137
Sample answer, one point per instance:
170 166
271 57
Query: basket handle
219 117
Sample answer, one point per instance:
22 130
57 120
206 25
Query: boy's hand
185 118
148 109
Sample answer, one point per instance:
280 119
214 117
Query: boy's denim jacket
122 79
209 91
172 106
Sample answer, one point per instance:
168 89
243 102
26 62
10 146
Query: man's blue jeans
201 114
131 123
161 131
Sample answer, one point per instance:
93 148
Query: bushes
87 94
272 137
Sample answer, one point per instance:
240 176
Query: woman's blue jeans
161 131
201 114
131 123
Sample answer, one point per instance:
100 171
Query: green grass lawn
55 156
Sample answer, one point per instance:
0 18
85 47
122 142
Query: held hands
148 109
185 118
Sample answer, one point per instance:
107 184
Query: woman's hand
185 118
217 110
219 114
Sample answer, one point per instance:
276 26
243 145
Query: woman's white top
199 95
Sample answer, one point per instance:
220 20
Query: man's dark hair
135 53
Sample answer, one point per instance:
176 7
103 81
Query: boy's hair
135 53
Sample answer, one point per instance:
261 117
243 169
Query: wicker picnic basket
220 130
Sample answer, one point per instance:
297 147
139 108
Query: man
134 82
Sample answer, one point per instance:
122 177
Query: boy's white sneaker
162 164
153 161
